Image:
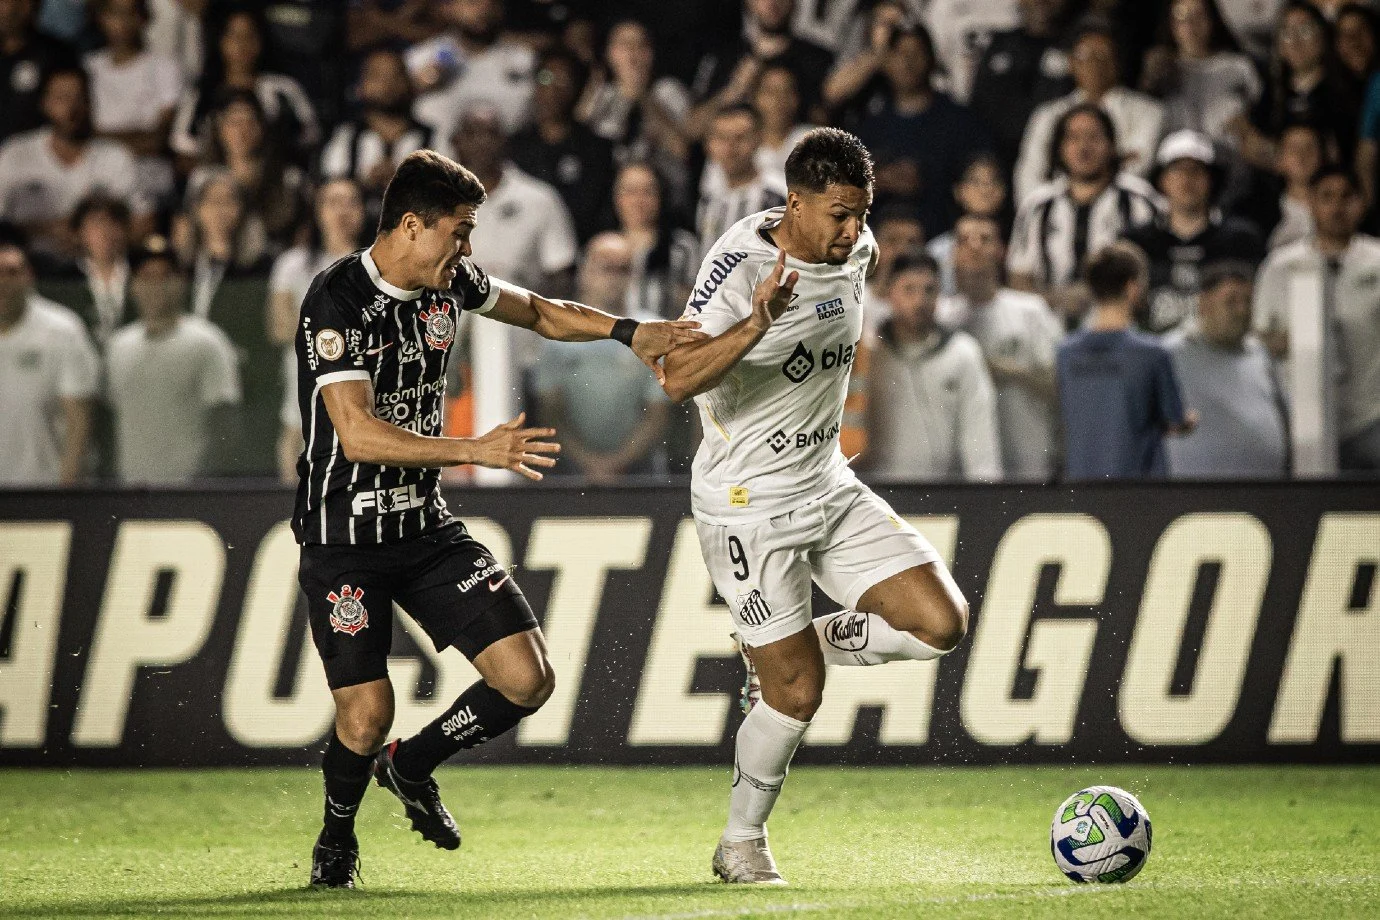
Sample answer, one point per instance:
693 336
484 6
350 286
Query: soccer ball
1100 834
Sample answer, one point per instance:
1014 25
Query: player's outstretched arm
697 367
568 321
365 438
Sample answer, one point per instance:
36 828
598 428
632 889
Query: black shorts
445 580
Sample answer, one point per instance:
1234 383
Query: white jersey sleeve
722 296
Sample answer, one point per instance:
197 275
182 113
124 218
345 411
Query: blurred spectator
1306 85
337 229
46 172
524 233
606 403
235 55
1091 204
735 187
980 191
931 407
898 230
1021 69
134 91
841 27
27 58
174 32
857 87
471 64
1279 203
274 190
1018 334
368 147
371 25
48 375
922 138
962 30
1198 71
173 380
1330 283
1229 377
664 256
1118 393
1139 120
1191 234
641 112
1355 41
95 285
777 101
563 153
223 245
1253 23
727 75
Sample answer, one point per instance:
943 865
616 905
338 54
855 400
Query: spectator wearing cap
1317 303
49 374
931 407
45 173
1139 119
27 57
735 187
1018 333
1118 393
563 153
1229 377
173 380
1190 234
471 64
1090 204
1023 68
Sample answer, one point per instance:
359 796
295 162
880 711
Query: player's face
830 222
440 247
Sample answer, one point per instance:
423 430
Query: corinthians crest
439 325
348 615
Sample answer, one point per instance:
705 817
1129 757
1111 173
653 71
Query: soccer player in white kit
774 499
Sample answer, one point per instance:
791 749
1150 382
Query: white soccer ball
1100 834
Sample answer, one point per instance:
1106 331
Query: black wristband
623 330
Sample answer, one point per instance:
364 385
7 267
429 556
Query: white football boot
746 862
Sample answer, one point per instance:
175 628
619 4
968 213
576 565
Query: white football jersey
771 426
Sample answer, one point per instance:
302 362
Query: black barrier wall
1121 623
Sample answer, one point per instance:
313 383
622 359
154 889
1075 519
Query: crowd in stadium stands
1118 238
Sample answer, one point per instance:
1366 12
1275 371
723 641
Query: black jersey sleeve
475 290
332 336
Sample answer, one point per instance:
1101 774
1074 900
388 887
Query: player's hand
512 447
771 298
651 341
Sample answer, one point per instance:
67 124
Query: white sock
766 743
852 638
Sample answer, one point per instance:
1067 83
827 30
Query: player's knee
532 687
364 728
799 699
952 625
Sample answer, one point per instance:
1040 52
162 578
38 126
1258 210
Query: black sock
480 714
347 777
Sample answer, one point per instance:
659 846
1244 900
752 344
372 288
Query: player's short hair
828 156
1111 269
914 260
431 186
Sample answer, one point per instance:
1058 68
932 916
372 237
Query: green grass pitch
635 843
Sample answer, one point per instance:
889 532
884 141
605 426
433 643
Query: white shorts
846 542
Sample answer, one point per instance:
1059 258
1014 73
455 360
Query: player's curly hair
429 185
825 157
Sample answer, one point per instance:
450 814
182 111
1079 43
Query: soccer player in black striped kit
376 333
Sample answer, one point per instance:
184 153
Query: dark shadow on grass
366 901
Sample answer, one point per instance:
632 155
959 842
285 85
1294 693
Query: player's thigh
350 610
461 596
762 572
867 545
923 600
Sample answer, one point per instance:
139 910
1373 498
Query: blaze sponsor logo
439 325
348 614
830 309
753 609
847 631
458 721
720 269
802 361
387 501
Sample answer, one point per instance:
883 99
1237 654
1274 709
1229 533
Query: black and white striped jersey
357 326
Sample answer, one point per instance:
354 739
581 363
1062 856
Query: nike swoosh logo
397 790
374 351
495 587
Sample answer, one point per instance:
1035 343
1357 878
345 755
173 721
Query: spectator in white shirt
174 380
982 191
472 64
1019 335
777 101
732 186
931 406
1139 120
49 373
44 174
664 255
